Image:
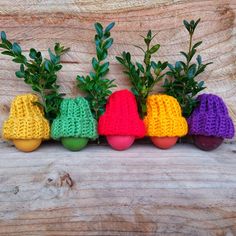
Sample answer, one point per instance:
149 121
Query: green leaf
59 49
57 67
199 60
99 29
20 74
171 67
32 53
48 65
147 58
184 54
197 44
109 27
3 36
196 23
178 66
104 67
36 88
128 57
3 46
108 43
93 75
121 60
95 63
140 66
154 49
191 71
192 23
187 25
8 53
18 60
200 84
154 65
164 65
54 59
16 48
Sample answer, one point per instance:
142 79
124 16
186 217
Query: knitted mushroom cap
121 116
164 118
75 120
26 120
211 118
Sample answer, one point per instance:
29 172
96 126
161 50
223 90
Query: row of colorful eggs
209 124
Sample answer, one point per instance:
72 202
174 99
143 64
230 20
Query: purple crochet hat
211 118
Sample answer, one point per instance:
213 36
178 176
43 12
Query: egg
207 143
27 145
74 144
164 142
119 142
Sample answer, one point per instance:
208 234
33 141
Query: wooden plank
40 23
141 191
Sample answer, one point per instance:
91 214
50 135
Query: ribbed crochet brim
74 127
210 124
166 126
26 128
118 126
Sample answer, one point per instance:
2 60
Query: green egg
74 144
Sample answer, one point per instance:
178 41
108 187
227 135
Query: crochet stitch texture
121 116
164 117
26 120
211 118
75 120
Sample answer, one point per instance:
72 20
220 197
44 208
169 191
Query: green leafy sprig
96 85
143 77
182 84
39 73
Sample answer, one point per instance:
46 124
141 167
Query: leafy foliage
96 85
143 77
182 84
39 73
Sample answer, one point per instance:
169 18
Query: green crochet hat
75 120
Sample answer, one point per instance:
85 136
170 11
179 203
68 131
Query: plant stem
190 47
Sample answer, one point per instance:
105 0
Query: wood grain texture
40 23
141 191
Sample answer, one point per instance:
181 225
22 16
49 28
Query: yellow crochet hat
26 120
164 118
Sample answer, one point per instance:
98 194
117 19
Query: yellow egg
27 145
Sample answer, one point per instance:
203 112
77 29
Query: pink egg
119 142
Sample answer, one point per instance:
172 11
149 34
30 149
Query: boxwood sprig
143 77
182 83
39 73
96 85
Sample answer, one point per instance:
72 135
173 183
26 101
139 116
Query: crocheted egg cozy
121 116
75 120
211 118
164 117
26 120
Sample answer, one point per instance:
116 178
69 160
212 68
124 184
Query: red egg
119 142
207 143
164 142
